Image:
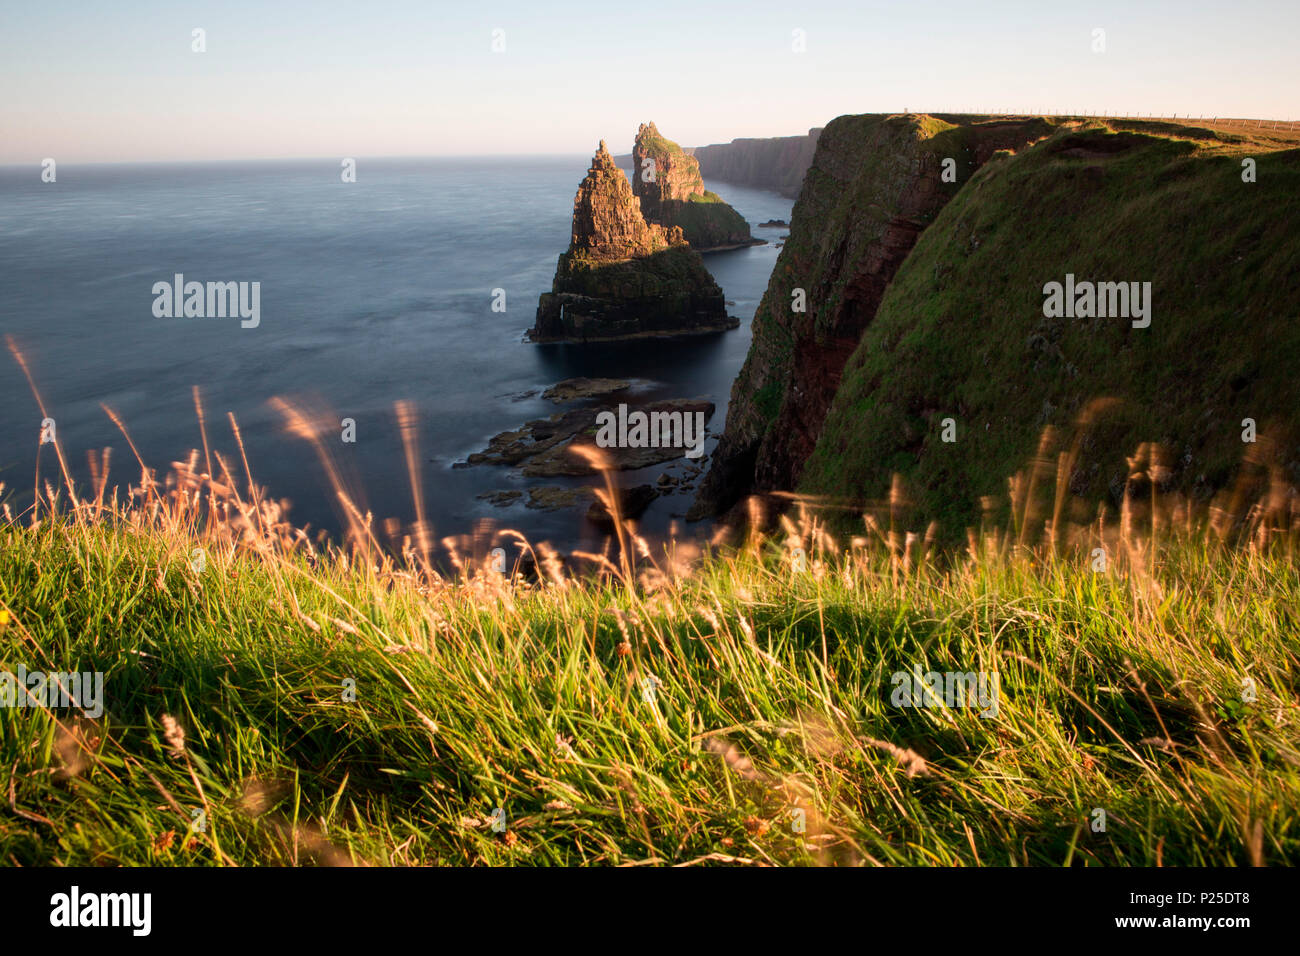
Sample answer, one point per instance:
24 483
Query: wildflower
174 734
912 762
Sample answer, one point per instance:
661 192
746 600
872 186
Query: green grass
960 332
1163 690
706 221
1120 691
866 376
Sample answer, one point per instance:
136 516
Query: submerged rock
500 498
553 497
622 277
561 459
572 389
545 446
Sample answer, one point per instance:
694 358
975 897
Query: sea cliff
778 163
906 330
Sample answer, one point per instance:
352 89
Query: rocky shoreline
544 447
549 448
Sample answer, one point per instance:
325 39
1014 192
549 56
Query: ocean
371 292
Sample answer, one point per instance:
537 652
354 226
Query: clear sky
114 81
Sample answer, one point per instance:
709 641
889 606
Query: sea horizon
358 281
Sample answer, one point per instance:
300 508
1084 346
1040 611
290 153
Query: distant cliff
777 164
622 277
905 330
667 181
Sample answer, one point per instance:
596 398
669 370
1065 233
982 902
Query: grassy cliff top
961 332
651 141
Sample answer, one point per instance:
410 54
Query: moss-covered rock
667 181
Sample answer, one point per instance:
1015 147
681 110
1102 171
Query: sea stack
622 277
667 180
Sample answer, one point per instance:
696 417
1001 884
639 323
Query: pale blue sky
113 81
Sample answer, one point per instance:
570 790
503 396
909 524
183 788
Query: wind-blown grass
1119 690
272 702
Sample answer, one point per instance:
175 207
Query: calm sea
371 292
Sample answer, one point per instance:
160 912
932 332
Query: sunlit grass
669 705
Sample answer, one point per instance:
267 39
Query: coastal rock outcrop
544 447
667 180
622 277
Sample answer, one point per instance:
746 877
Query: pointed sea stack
622 277
672 193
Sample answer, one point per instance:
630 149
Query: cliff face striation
667 181
875 184
930 347
622 277
777 164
